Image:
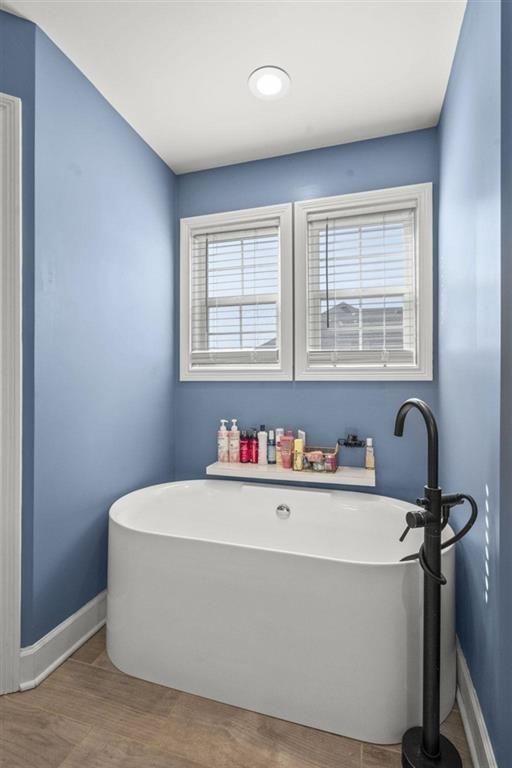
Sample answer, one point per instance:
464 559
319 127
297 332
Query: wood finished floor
87 714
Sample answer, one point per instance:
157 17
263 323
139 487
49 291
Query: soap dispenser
223 442
234 442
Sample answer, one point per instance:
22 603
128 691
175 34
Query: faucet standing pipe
425 747
430 422
431 587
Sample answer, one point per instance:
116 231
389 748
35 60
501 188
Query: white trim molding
248 218
417 197
40 659
477 735
10 391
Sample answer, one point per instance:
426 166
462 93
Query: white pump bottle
223 442
234 442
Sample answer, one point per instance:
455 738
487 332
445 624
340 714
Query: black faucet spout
430 423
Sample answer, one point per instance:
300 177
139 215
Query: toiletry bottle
287 450
369 459
279 434
253 447
244 447
298 455
222 442
271 448
234 442
262 445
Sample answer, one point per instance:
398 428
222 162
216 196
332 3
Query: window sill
364 374
236 375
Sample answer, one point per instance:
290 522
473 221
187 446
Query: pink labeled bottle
244 447
253 447
287 449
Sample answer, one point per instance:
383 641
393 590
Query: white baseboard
39 660
477 735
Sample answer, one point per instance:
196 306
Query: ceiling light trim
269 82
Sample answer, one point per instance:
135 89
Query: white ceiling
177 71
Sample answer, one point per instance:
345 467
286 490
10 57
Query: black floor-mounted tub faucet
425 747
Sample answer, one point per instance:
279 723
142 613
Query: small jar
319 466
331 462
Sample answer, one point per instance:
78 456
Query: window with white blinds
364 286
235 266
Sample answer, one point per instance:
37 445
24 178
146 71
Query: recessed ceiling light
269 82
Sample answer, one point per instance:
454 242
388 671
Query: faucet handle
404 534
413 520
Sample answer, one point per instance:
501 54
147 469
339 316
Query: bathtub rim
113 519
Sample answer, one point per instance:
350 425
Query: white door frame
10 391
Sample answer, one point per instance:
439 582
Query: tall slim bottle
271 447
279 434
222 442
244 447
253 447
262 445
234 443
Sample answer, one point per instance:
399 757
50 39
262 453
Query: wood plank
380 757
98 698
31 738
103 750
93 648
219 736
104 662
453 729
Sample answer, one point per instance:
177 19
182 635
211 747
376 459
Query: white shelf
344 475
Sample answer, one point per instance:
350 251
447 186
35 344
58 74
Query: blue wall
103 420
469 342
17 78
98 255
325 409
506 382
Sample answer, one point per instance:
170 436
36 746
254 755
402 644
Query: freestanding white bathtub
310 618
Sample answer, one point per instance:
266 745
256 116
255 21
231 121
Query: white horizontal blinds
235 279
362 299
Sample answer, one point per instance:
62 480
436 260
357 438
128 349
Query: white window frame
189 227
418 196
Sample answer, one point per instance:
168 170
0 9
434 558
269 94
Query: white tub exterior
310 619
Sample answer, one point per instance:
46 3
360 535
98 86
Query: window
236 296
363 286
362 309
